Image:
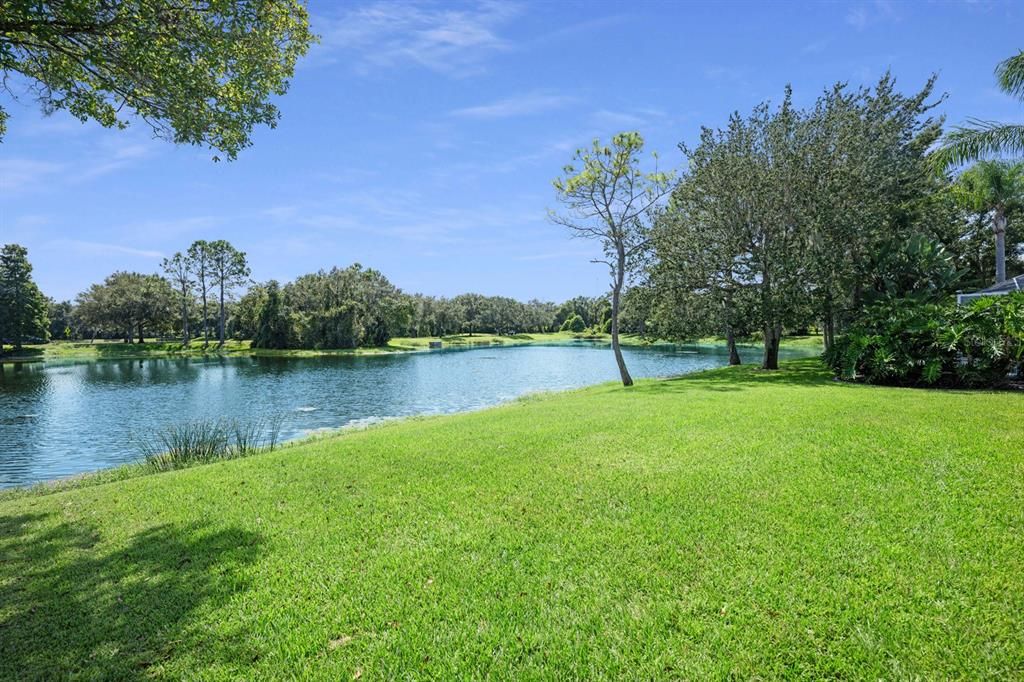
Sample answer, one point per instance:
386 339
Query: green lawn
731 523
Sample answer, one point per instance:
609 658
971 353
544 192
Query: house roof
1012 284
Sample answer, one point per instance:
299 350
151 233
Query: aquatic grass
208 440
729 524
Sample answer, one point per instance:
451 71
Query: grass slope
727 523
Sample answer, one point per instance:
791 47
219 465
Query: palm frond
1011 75
979 140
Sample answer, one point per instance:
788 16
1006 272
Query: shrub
574 324
908 343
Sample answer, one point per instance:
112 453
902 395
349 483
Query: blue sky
421 139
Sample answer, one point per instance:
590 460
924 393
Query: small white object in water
305 409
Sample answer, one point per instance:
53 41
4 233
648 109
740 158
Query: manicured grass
731 523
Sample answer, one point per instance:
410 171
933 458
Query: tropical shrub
574 324
905 342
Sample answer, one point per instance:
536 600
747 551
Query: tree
984 138
179 269
23 307
229 270
61 319
994 189
126 304
608 198
574 324
273 325
200 259
200 73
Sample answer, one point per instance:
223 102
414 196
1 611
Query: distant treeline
203 295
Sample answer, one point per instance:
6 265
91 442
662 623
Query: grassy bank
115 350
727 523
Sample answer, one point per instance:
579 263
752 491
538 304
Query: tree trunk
184 318
999 227
616 293
220 330
206 321
772 336
730 342
142 338
730 336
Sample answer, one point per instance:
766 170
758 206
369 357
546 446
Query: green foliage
208 440
200 73
573 324
126 304
273 323
23 308
979 139
906 342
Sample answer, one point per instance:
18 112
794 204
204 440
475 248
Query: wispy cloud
19 175
519 105
386 35
101 249
862 15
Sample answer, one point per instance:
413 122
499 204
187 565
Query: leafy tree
994 189
23 308
229 270
61 316
273 324
574 324
200 73
200 259
179 269
126 304
608 198
981 138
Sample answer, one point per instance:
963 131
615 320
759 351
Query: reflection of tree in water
72 603
162 371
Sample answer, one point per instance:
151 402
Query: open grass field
730 523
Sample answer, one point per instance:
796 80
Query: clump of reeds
208 440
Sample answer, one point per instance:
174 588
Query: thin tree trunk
184 320
220 332
142 338
999 227
772 336
730 336
616 293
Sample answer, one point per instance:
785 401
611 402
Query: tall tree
200 259
178 269
23 308
201 73
128 304
979 138
273 326
230 270
608 198
994 189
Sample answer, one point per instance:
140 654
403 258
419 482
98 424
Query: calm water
61 419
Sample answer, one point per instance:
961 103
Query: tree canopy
199 72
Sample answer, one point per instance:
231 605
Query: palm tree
996 188
983 138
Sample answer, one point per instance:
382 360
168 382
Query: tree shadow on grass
71 606
804 372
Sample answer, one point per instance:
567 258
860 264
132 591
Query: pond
57 420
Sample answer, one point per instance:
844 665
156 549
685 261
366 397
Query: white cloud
101 249
387 35
519 105
18 175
